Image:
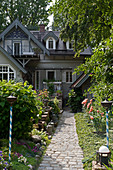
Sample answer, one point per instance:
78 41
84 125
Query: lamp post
11 100
107 104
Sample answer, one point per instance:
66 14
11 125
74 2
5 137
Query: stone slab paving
64 152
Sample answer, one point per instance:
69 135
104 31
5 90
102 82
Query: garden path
64 152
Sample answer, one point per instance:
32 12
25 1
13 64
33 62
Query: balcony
57 85
18 50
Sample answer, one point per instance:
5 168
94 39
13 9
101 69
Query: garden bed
89 140
25 154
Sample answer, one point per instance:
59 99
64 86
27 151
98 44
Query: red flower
97 111
91 117
102 114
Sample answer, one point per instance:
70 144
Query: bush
74 101
23 109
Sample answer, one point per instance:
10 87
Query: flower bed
90 140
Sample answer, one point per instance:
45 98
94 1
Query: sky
51 17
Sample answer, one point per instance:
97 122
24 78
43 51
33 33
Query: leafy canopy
29 12
89 23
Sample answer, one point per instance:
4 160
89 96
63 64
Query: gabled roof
13 60
17 23
80 81
50 34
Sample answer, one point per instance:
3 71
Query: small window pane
0 68
50 43
5 69
67 77
10 70
11 76
0 76
70 76
5 76
50 75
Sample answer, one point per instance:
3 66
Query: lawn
89 140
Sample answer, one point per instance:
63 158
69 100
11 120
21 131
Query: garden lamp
103 155
11 100
107 104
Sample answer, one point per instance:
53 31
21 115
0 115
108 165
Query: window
50 43
69 45
69 76
17 49
6 72
50 75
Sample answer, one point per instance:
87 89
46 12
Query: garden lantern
103 155
107 104
11 100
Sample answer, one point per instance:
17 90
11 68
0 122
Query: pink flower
97 111
91 117
84 101
88 105
91 100
91 108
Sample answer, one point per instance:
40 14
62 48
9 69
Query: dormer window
51 43
69 45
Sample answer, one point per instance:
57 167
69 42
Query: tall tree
90 23
29 12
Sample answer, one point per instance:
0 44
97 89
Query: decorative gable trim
50 34
13 60
17 23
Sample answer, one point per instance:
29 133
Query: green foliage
89 23
54 105
50 88
29 12
86 22
90 141
74 101
23 109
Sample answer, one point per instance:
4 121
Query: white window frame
67 44
8 72
49 71
54 43
68 71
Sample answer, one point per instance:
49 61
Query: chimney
42 28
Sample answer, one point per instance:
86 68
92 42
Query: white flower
30 166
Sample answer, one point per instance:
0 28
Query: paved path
64 152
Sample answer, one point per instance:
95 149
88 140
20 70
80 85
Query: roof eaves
50 34
13 60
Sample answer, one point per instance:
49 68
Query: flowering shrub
22 159
4 164
95 116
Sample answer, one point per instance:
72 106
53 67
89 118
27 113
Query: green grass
89 140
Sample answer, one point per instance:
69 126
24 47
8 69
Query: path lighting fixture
103 156
107 104
11 100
